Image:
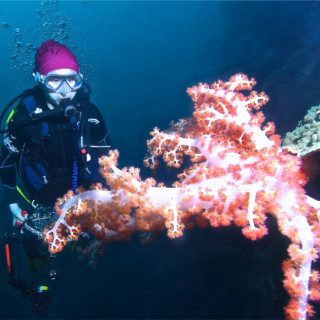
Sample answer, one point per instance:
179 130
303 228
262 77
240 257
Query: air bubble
4 25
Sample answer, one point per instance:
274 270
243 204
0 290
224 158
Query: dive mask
59 82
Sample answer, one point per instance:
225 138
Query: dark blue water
139 58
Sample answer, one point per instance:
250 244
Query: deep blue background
140 57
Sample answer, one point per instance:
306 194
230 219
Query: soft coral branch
239 173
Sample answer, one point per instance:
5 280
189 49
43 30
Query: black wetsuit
47 152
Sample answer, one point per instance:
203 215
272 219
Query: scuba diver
52 141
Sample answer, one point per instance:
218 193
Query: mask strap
38 77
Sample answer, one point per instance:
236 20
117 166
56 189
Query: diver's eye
54 82
71 81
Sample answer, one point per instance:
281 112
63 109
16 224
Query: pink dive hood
52 55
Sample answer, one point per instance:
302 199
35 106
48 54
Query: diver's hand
16 214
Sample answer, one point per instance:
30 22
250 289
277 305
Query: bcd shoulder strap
32 101
82 99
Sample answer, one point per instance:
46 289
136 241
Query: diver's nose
64 89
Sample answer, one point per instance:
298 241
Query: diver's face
61 84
